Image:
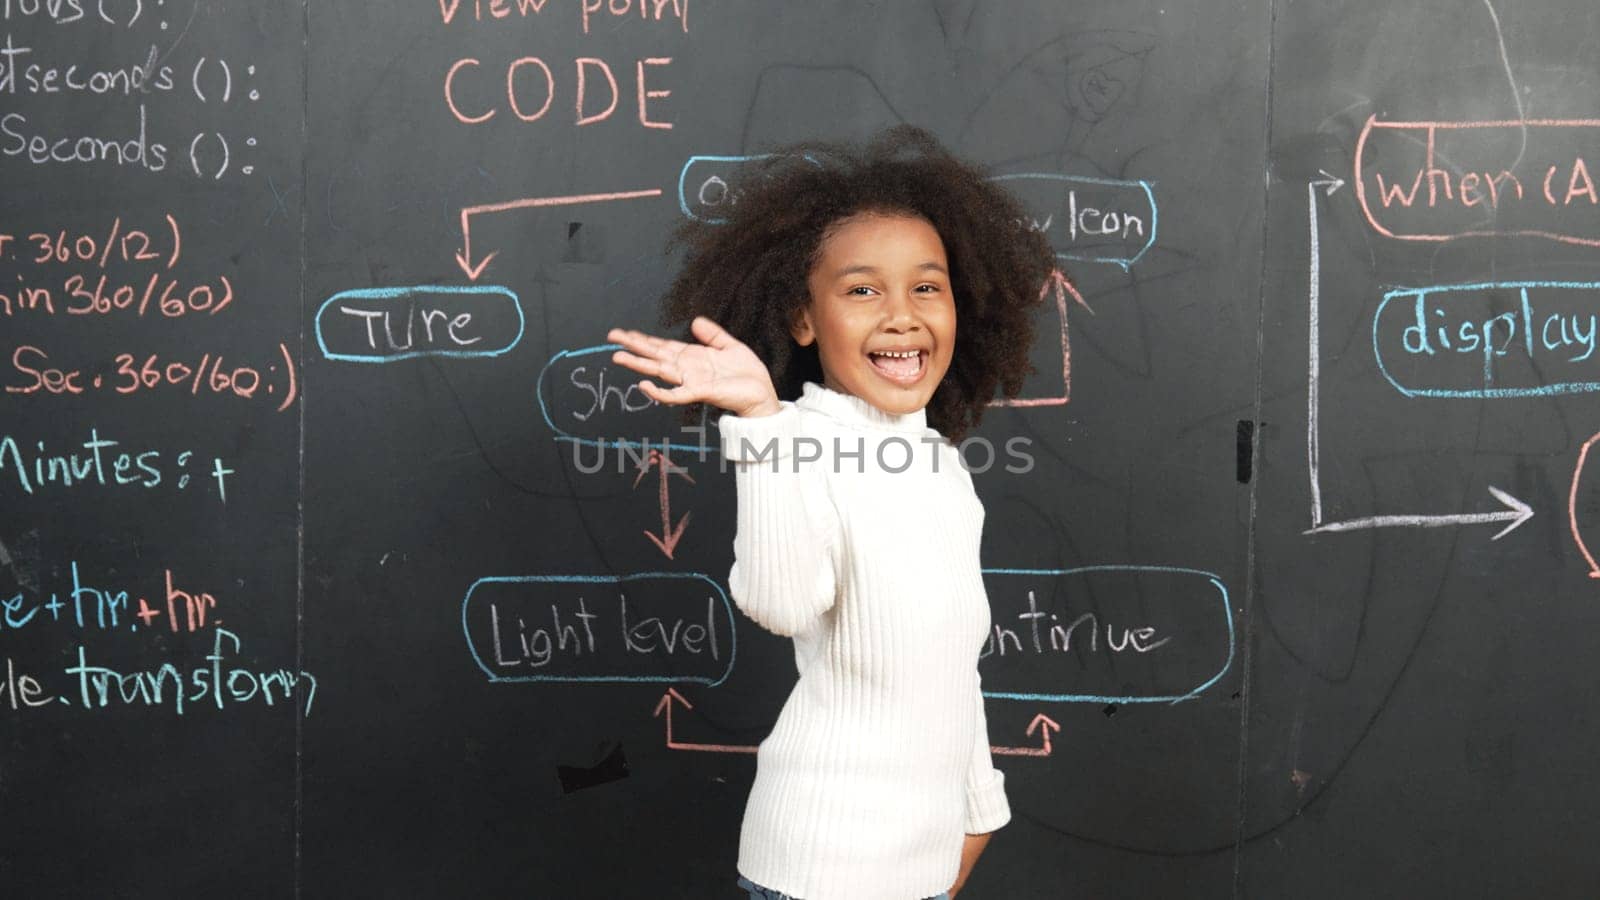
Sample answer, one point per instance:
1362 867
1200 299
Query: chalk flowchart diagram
1454 341
677 628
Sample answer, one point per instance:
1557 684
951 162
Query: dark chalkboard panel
340 561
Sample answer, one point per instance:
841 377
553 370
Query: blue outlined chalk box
660 627
609 396
1478 340
1192 595
382 325
1088 219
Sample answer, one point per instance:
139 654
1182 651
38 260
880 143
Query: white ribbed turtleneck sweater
879 763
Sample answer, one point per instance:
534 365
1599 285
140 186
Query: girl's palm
721 370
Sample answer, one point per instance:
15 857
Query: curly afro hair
749 273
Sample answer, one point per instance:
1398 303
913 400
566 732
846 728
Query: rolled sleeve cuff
987 807
759 438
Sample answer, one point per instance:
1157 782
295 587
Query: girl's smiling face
880 290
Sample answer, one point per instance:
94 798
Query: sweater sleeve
786 546
987 807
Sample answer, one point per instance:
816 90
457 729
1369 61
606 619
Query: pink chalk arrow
1042 724
1063 288
475 269
669 535
666 706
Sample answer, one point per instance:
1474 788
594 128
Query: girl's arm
987 807
971 849
786 548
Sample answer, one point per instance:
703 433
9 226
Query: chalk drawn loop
1572 506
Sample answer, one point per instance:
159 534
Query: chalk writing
68 12
1051 629
1437 181
18 139
1059 634
122 243
81 296
21 691
174 606
58 12
35 467
377 325
36 374
1090 219
651 626
531 86
20 75
671 12
170 686
1490 339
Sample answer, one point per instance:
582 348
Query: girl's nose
899 309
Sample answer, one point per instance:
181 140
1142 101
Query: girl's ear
800 327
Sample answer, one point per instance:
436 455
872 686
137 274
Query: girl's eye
858 289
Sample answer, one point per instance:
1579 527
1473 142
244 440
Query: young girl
893 288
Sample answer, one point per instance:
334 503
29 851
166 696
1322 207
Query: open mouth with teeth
902 366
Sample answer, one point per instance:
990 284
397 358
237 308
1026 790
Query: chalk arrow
1042 724
1062 287
665 705
475 269
669 535
1515 513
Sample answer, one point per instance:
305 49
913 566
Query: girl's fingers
637 363
641 343
714 335
677 395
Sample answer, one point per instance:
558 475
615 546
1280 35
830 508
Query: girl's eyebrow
873 270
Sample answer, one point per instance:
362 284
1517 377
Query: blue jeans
757 892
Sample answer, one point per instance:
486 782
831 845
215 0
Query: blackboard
339 561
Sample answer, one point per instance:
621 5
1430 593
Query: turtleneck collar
853 410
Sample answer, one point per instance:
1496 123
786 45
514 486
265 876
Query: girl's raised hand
721 370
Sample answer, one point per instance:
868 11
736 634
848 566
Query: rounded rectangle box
381 325
1090 219
1489 340
664 627
1084 635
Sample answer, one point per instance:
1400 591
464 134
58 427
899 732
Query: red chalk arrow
1041 723
666 704
464 255
1063 288
669 535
